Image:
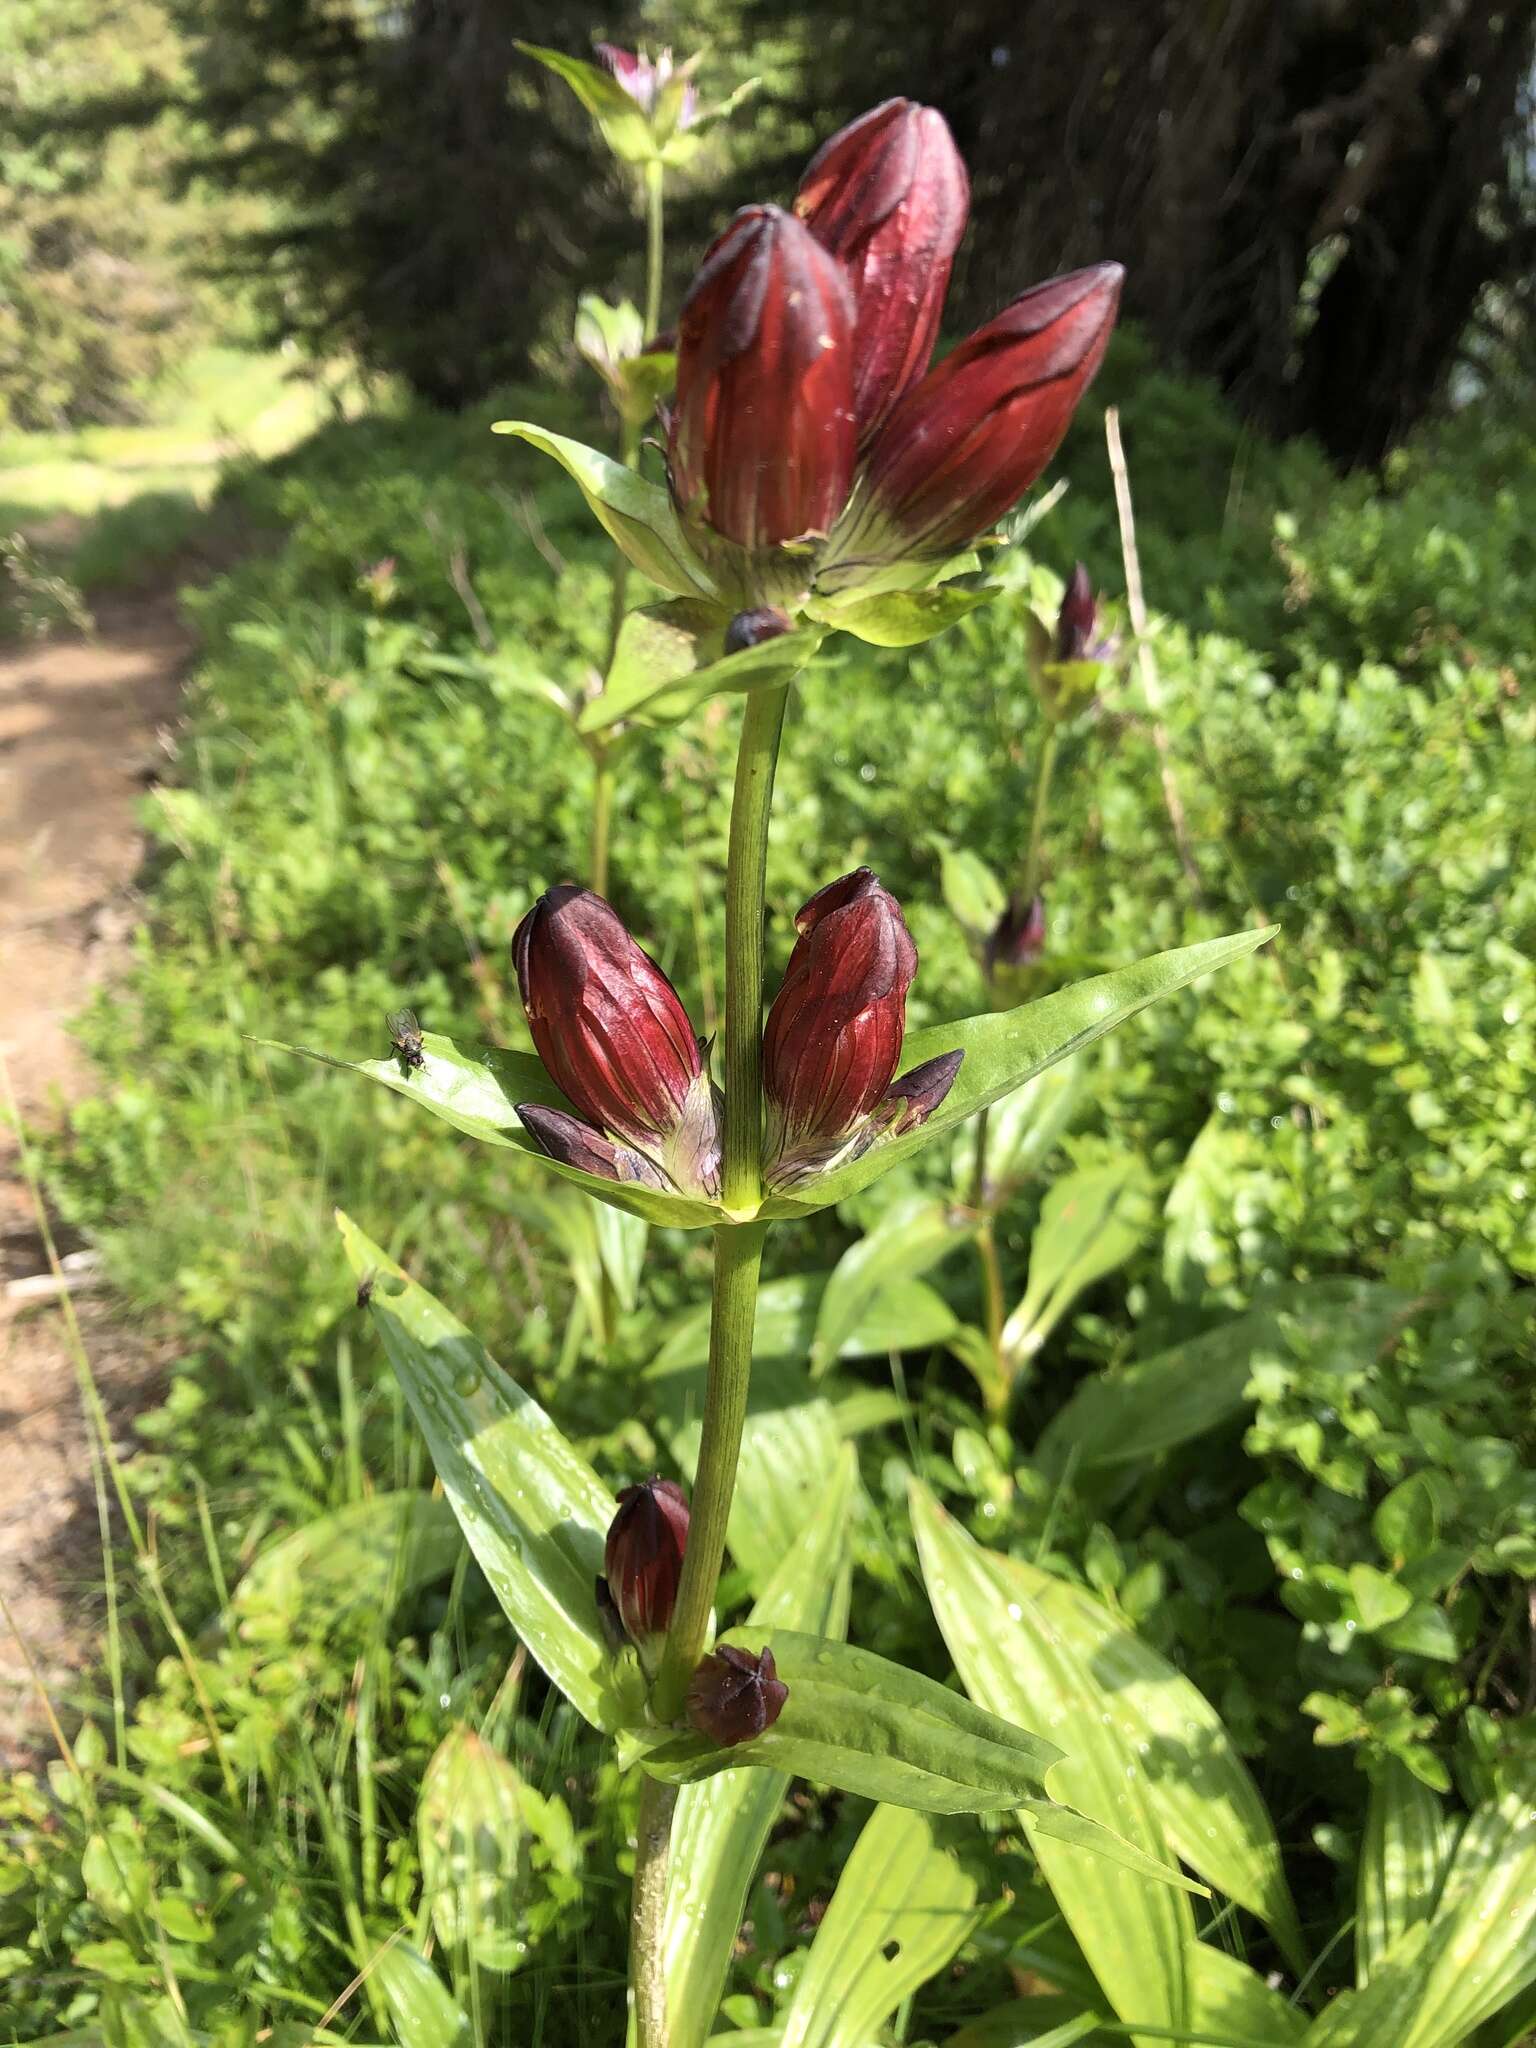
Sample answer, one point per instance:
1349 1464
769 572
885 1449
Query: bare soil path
83 725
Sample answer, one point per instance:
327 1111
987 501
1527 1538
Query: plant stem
745 882
655 181
1045 769
647 1962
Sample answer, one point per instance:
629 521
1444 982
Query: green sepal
898 618
670 659
637 516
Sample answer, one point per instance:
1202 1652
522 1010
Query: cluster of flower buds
655 84
614 1035
809 439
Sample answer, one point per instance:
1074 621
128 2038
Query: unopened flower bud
574 1143
889 195
645 79
614 1035
751 629
1074 622
761 445
978 430
913 1099
1018 937
735 1696
643 1558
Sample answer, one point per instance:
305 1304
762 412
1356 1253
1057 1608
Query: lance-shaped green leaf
973 895
625 126
473 1844
903 1907
421 2009
636 515
359 1559
1403 1856
1211 1811
477 1089
899 618
908 1240
670 658
1136 1936
1232 2004
1006 1048
1090 1223
533 1511
1030 2023
721 1826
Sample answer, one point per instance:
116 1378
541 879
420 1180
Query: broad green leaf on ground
1230 2002
906 1315
908 1240
421 2009
637 516
1090 1223
365 1557
862 1724
1136 1936
721 1826
791 1447
477 1090
904 1905
1125 1418
1006 1048
533 1511
671 658
1045 2022
1211 1811
473 1843
899 618
1403 1856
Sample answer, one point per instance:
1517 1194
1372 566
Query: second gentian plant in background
819 475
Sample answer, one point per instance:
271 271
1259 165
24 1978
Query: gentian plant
820 476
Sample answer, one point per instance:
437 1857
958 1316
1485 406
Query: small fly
365 1289
405 1035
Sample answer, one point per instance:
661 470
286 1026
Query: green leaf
1377 1599
1403 1857
1424 1631
637 516
1211 1811
1090 1224
362 1558
721 1826
624 124
904 1906
906 1315
1027 2023
1125 1418
1006 1048
670 659
898 618
420 2007
477 1090
532 1510
1136 1936
621 1242
1407 1524
1023 1131
909 1239
862 1724
973 895
471 1834
1230 2002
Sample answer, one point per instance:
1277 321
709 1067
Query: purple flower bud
608 1616
645 79
911 1100
751 629
1018 937
643 1559
614 1035
735 1696
834 1033
1074 622
574 1143
889 195
761 444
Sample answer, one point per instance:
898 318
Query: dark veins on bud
735 1696
643 1557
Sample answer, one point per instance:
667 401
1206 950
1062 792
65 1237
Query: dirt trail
83 725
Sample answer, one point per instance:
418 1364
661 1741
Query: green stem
655 181
1045 768
745 884
647 1959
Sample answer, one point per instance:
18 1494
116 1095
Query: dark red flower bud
1018 937
834 1034
735 1696
889 195
911 1100
608 1616
762 437
574 1143
615 1037
982 425
1074 622
643 1558
751 629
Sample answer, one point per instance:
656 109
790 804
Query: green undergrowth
364 805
